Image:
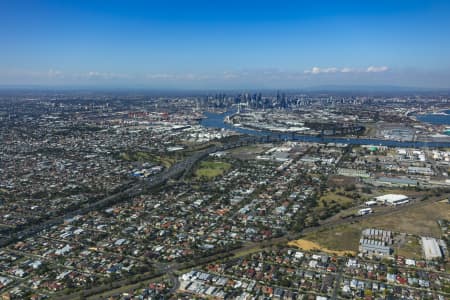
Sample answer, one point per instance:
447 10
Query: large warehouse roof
391 198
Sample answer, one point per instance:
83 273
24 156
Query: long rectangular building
373 247
392 199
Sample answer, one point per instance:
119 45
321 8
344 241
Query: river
436 119
214 120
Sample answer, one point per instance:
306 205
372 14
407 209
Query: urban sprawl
271 195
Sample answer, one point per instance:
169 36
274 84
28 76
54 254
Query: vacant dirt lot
309 245
415 220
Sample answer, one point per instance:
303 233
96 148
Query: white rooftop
391 198
431 248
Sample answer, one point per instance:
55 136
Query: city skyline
232 45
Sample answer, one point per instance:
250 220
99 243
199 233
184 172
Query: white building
431 248
365 211
392 199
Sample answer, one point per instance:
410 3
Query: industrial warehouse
392 199
376 242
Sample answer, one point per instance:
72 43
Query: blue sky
225 44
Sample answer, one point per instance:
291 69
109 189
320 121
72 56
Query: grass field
342 238
249 152
411 248
211 169
246 252
309 246
414 220
331 203
148 157
330 197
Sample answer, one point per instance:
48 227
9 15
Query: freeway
130 190
176 171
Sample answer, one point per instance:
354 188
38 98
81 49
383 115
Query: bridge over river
214 120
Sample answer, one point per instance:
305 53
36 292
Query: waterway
436 119
214 120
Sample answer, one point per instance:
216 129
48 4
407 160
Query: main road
134 189
170 270
177 170
130 190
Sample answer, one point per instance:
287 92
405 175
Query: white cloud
105 75
347 70
314 70
373 69
32 74
262 77
317 70
332 70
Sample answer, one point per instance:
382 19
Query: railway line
130 190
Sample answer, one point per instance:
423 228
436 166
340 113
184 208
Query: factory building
374 247
376 242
